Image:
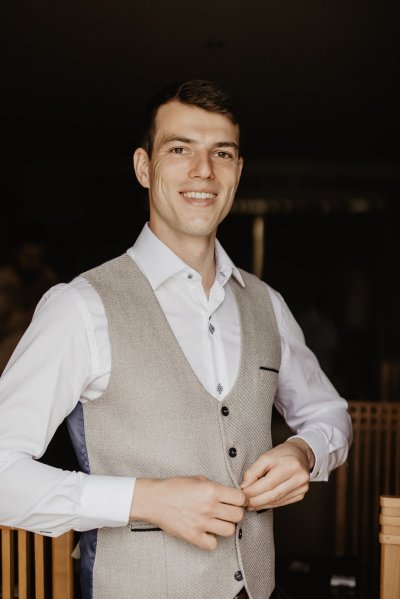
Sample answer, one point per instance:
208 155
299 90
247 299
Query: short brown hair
195 92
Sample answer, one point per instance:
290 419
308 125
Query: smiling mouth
198 195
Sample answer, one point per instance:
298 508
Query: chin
201 228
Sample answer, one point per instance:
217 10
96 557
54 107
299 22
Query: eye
178 150
224 155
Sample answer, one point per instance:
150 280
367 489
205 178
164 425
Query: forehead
185 120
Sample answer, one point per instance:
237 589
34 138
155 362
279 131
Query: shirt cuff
317 444
105 501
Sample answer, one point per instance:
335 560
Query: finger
229 513
270 481
231 496
221 528
277 476
286 501
206 540
256 470
278 496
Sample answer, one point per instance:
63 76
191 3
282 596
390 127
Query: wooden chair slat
62 563
23 564
7 562
39 567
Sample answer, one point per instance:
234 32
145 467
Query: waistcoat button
232 452
238 575
240 533
224 411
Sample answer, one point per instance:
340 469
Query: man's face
193 172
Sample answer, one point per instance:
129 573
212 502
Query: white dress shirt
64 357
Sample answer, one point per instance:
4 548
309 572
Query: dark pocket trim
269 369
144 529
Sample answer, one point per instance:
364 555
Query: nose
202 166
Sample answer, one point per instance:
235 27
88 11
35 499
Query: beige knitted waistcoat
156 420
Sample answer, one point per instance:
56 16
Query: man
168 361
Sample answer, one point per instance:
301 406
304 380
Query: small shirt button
225 411
233 453
220 388
238 575
190 276
240 533
211 328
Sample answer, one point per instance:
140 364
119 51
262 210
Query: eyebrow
187 140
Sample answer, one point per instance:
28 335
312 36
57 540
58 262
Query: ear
141 166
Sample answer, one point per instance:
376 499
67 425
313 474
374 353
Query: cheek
164 174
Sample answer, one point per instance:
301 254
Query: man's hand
192 508
279 476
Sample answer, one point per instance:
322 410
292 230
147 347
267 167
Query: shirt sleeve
45 378
306 398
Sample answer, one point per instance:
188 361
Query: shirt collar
225 266
158 263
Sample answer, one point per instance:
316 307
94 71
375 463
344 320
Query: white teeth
198 195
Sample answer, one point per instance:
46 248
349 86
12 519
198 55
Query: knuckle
209 490
211 543
243 497
305 477
240 514
230 530
200 478
302 479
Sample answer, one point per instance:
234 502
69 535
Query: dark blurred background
317 84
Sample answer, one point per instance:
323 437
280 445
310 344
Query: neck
196 252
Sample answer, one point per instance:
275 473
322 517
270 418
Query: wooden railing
24 566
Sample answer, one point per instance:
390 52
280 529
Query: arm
45 378
61 360
312 407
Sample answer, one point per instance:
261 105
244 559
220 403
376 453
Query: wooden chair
25 565
372 469
390 547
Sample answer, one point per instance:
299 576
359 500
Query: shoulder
67 295
70 306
